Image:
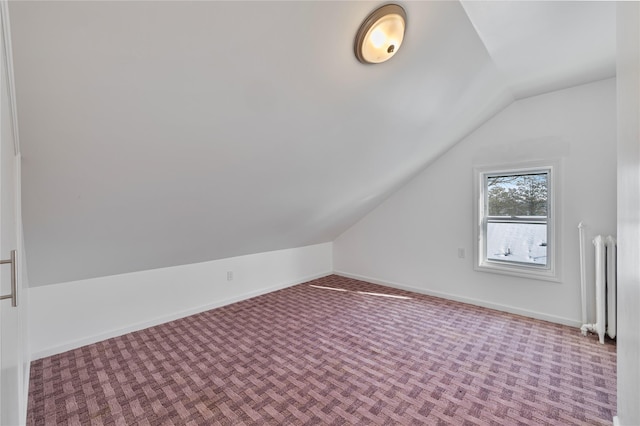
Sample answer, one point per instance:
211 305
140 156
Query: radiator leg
588 328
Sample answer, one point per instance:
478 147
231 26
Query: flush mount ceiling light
381 34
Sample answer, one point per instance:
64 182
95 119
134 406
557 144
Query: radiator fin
605 270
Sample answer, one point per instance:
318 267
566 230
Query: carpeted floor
310 355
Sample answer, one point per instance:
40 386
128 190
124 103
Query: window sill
518 271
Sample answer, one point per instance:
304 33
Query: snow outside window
515 222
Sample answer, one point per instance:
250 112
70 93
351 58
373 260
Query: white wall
628 213
69 315
412 239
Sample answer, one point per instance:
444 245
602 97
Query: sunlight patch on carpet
327 288
394 296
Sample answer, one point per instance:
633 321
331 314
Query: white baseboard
167 318
616 422
476 302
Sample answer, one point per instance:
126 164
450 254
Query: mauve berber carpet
309 355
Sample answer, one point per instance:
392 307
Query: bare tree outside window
519 195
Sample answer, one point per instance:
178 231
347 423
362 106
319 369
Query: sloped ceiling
156 134
543 46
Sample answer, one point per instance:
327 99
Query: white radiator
605 277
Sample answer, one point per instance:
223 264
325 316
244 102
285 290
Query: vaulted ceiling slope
156 134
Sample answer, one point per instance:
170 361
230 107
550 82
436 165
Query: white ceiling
156 134
544 46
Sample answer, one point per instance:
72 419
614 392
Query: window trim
550 272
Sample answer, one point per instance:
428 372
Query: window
516 221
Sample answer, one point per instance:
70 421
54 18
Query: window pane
517 195
517 242
516 232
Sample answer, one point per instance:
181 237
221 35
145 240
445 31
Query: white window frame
549 272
